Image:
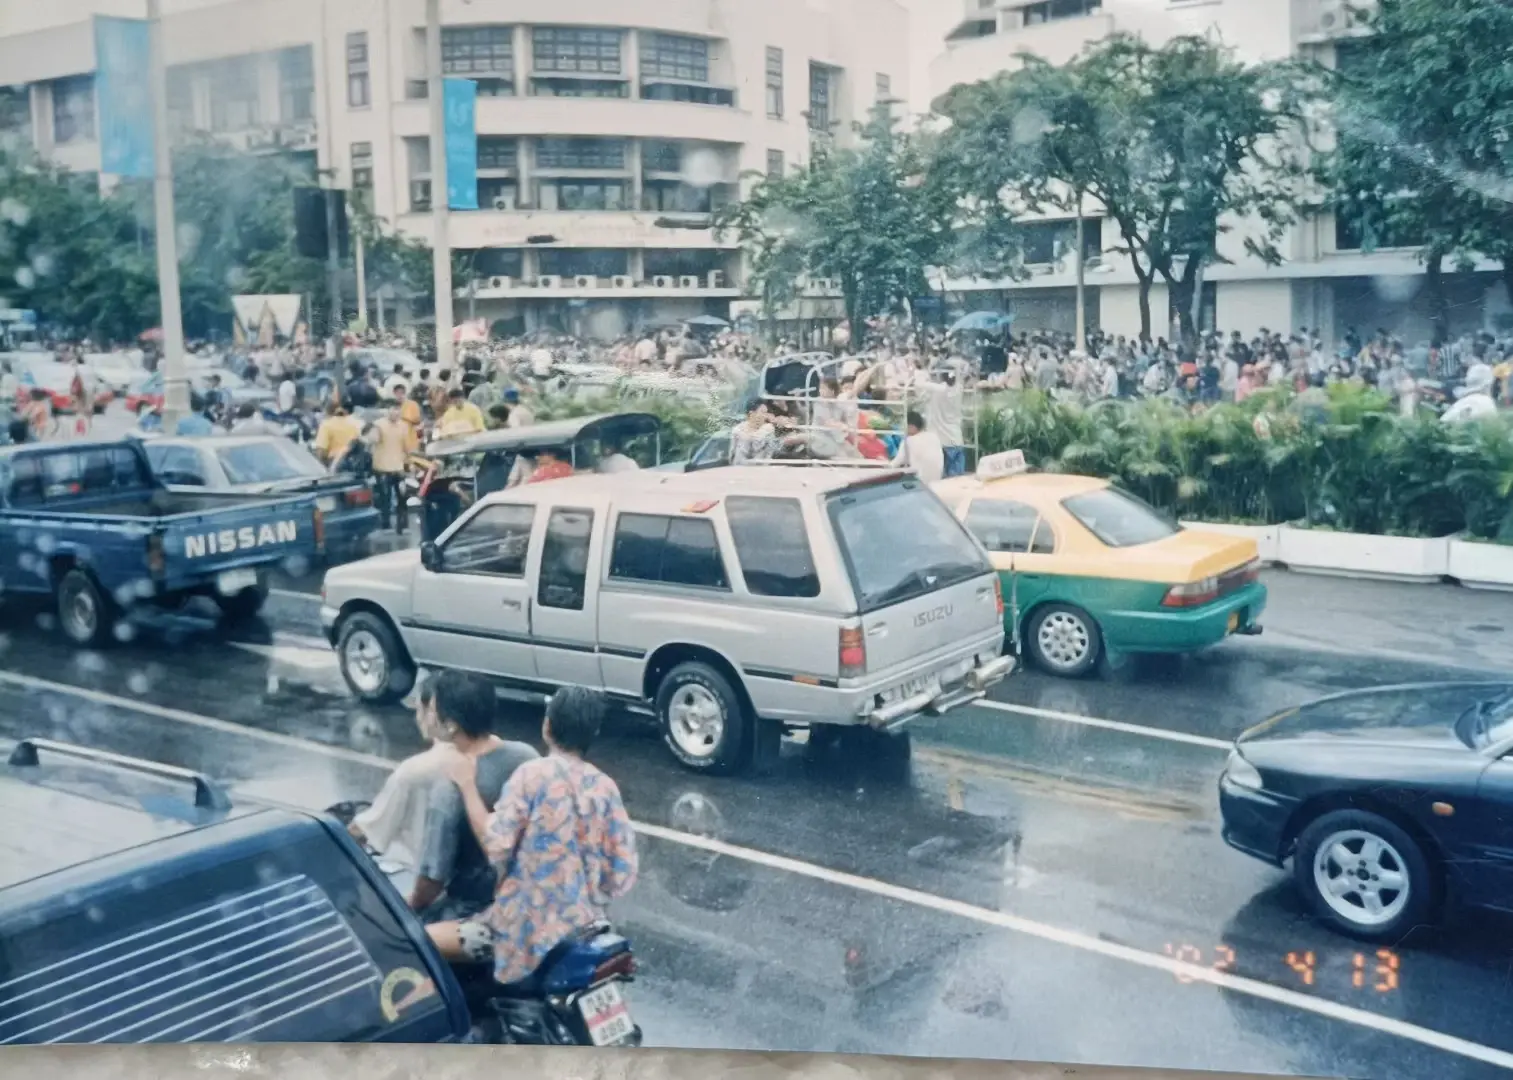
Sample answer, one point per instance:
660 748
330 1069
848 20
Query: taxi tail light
621 965
1251 571
853 652
998 594
1192 593
362 496
156 562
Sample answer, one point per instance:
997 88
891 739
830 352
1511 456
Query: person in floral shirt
559 839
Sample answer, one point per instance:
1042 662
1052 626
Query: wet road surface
1021 889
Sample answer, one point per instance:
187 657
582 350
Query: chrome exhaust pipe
888 714
994 671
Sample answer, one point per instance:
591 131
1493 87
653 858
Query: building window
775 166
181 99
580 88
296 84
573 48
234 94
1046 242
362 165
16 112
359 83
661 155
581 195
697 95
496 152
674 197
819 97
774 83
74 109
591 262
1052 10
580 153
884 89
478 50
420 196
674 56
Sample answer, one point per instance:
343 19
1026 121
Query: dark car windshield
899 541
1488 722
1118 518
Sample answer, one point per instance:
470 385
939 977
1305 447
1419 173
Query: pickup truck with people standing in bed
86 524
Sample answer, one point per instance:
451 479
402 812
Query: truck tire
704 721
373 660
86 614
243 606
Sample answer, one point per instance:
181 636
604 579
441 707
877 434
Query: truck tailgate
251 534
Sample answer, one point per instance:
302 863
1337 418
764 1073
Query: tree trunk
1507 276
1439 306
1082 281
1195 312
1145 306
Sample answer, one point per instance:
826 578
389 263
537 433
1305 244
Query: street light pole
176 401
441 248
1081 281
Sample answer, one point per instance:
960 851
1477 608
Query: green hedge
1343 461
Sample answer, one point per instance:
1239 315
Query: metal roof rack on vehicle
208 795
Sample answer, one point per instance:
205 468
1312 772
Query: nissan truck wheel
704 721
86 615
373 660
1364 875
1064 640
243 606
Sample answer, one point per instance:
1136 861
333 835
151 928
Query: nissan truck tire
86 615
373 660
243 606
704 721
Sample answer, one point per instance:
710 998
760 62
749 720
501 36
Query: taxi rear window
285 942
1118 518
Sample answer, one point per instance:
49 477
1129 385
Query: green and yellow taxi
1088 569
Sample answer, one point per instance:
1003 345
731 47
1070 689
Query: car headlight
1242 773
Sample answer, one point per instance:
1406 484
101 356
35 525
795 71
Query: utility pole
441 246
333 272
176 401
1081 281
357 266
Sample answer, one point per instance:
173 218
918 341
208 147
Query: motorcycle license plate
234 581
606 1015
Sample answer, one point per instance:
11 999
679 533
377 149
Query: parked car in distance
732 603
57 378
270 465
1390 802
238 390
1089 568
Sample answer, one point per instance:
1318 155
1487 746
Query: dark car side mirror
430 557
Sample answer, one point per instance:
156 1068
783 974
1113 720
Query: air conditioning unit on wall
688 281
548 281
661 281
622 281
585 281
499 281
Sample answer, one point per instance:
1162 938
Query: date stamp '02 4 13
1373 971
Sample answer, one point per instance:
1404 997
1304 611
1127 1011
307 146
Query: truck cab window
495 541
564 559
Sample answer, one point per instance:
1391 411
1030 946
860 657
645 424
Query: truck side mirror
430 557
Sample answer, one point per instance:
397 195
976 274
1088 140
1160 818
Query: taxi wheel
704 721
1064 640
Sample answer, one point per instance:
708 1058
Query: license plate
234 581
606 1015
914 686
1234 621
327 503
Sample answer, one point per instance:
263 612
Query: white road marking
1075 939
1109 725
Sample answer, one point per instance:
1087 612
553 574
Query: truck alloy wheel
84 612
373 661
704 720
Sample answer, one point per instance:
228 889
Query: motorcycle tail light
621 964
998 594
853 652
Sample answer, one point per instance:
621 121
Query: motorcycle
575 997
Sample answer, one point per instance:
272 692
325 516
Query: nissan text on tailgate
87 524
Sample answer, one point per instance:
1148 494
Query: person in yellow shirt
335 435
461 418
410 416
390 439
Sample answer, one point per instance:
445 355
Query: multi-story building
607 132
1331 277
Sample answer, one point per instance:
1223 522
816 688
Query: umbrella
155 334
713 321
982 320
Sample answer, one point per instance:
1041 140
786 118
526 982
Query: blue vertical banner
123 96
459 99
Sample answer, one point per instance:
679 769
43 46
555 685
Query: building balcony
974 59
626 117
473 229
619 287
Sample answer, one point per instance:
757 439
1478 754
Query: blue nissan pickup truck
88 525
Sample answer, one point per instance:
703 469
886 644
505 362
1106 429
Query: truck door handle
512 604
880 628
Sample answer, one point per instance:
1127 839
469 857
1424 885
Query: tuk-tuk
463 469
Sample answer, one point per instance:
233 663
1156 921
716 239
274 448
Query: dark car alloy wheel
1364 874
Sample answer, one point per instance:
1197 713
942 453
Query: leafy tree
1179 144
1423 108
865 216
